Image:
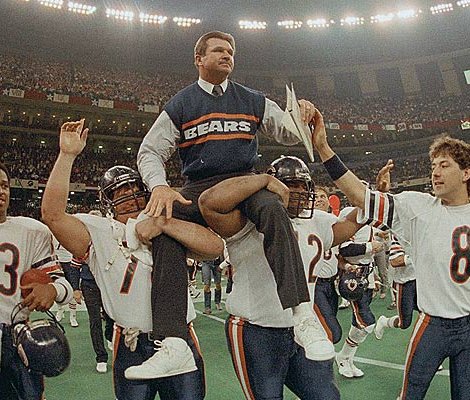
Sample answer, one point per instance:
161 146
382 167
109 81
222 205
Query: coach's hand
162 198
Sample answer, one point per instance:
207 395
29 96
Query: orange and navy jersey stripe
208 138
379 208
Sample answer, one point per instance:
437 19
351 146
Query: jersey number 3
461 254
11 269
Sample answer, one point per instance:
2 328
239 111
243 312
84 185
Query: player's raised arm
68 230
344 179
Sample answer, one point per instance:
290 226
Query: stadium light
152 18
52 3
374 19
463 3
119 14
252 25
408 14
441 8
289 24
352 21
319 23
186 22
80 8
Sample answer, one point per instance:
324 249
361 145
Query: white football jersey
329 266
407 272
254 294
24 244
439 238
364 235
124 280
315 238
63 255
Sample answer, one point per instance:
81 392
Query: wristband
335 167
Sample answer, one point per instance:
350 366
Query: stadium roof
29 28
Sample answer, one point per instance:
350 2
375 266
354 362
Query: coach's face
218 62
4 195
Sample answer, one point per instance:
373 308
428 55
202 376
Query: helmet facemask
134 190
294 173
301 202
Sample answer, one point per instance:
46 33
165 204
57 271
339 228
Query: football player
262 336
72 274
25 244
122 267
326 271
437 229
360 252
404 284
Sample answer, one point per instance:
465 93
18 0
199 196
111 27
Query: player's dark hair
4 168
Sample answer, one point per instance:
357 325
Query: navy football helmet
42 346
291 170
116 178
353 282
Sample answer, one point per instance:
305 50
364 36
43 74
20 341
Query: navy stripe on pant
266 359
433 340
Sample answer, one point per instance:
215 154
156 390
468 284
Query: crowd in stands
154 88
37 162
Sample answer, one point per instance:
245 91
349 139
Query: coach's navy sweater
217 134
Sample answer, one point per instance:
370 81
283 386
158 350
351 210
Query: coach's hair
201 45
457 149
4 168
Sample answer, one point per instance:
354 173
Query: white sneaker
73 322
110 345
173 357
344 304
310 335
380 326
440 368
344 367
194 292
357 373
60 315
102 367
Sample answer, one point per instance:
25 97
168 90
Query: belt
451 323
327 280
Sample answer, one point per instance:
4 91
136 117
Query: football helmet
353 282
116 178
291 170
42 346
